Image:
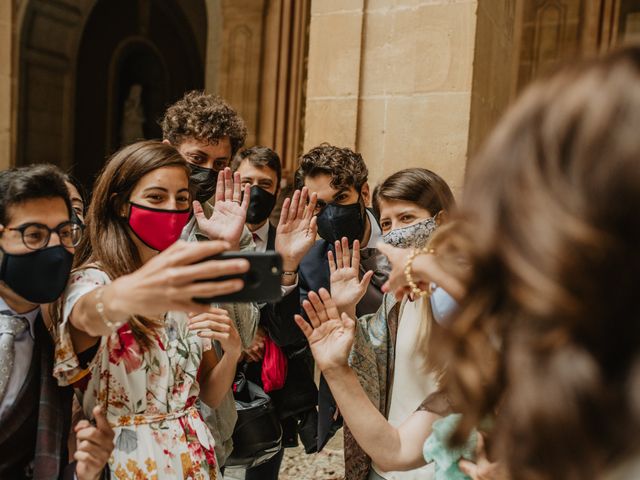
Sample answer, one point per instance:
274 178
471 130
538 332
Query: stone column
333 86
6 70
393 80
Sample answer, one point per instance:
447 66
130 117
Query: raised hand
330 334
229 212
297 228
346 287
94 446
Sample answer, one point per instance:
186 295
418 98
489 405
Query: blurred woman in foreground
548 332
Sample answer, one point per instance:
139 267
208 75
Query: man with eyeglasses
37 239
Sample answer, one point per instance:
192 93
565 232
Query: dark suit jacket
313 275
38 423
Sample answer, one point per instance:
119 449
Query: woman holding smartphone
125 339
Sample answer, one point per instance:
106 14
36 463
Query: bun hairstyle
549 334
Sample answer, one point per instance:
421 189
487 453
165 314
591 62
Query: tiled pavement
327 465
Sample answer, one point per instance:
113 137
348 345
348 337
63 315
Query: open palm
296 232
229 212
346 287
330 335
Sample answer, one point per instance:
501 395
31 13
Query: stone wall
6 76
393 80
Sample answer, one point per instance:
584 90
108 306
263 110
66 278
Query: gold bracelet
408 273
100 309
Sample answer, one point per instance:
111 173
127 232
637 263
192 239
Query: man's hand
297 228
229 212
330 335
255 351
346 287
94 446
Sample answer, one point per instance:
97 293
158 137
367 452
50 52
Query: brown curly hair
203 117
346 167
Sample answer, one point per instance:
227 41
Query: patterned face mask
413 236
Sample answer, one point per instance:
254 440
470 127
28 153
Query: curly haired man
339 176
208 133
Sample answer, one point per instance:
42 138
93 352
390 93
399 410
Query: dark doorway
135 58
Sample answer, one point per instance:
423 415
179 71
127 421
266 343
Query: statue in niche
132 117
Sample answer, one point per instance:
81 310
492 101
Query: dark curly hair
346 167
203 117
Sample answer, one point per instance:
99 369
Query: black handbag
257 435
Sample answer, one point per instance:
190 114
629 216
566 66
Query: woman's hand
217 325
346 287
482 468
171 280
296 232
94 446
330 335
425 269
229 212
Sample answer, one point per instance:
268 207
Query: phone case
261 282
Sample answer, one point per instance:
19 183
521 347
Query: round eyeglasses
35 236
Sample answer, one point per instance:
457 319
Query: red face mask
156 228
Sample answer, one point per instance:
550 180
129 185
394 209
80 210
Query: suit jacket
40 416
314 274
299 392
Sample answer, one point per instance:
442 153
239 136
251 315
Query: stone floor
326 465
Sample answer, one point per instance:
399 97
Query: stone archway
47 42
253 53
68 92
148 46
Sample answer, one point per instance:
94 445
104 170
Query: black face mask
261 205
205 181
40 276
337 221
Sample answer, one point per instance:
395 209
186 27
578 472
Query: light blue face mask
443 306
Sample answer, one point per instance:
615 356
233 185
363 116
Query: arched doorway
135 58
78 61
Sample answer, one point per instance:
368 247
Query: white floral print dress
149 394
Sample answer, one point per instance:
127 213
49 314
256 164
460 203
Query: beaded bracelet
408 274
100 309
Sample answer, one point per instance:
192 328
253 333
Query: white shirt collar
30 316
376 231
263 235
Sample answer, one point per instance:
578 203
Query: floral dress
149 394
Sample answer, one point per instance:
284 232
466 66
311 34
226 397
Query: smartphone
261 282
